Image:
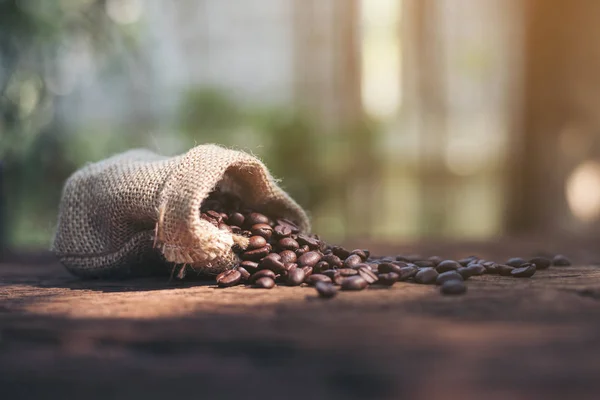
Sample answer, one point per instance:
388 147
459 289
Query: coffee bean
359 252
352 260
354 283
426 276
524 271
448 276
325 290
367 274
402 258
312 243
314 278
263 230
256 242
476 269
244 273
256 254
388 279
347 272
295 277
282 231
424 264
465 261
408 272
436 260
340 252
256 218
540 262
309 259
386 267
307 270
367 253
561 261
288 244
464 272
272 263
236 219
321 266
504 270
249 265
491 268
264 283
288 223
231 277
302 250
290 266
515 262
288 256
263 273
447 265
453 287
333 260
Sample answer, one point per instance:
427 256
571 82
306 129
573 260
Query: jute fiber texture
138 213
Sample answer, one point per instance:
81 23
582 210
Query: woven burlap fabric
138 213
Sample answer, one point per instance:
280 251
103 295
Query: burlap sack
138 213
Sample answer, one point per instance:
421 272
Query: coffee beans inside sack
214 211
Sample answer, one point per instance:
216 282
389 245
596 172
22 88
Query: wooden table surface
61 338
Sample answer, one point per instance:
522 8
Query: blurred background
393 120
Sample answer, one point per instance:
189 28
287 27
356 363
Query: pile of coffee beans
279 254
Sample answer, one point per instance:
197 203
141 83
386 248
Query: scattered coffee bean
435 260
476 269
426 276
408 272
448 276
264 283
314 278
465 261
561 261
288 244
386 267
524 271
541 262
256 254
333 260
302 250
361 253
321 266
256 242
282 231
272 263
367 274
236 219
243 272
515 262
355 282
491 268
256 218
325 290
504 270
347 272
295 277
388 279
424 264
352 260
309 259
447 265
307 270
263 273
340 252
231 277
251 266
464 272
263 230
288 256
453 287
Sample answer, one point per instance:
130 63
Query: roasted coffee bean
540 262
367 253
307 270
448 276
244 273
302 250
447 265
256 242
216 215
325 290
515 262
282 231
309 259
464 272
231 277
436 260
524 271
251 266
263 273
453 287
314 278
467 260
264 283
352 261
504 270
312 243
321 266
256 254
354 283
386 267
256 218
476 269
367 274
236 219
561 261
347 271
388 279
273 264
288 244
400 263
333 260
288 256
290 266
290 224
491 268
236 229
263 230
340 252
426 276
332 272
295 277
403 259
424 264
361 253
408 272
